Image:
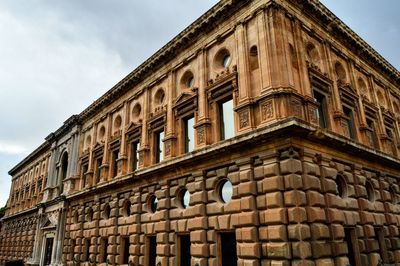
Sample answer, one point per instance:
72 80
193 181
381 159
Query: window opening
228 249
184 250
226 117
189 134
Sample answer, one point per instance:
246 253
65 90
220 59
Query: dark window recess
152 250
184 250
87 249
189 134
85 168
99 162
159 146
348 113
380 237
125 255
64 166
115 163
350 246
321 110
134 155
48 251
228 249
226 119
372 139
104 246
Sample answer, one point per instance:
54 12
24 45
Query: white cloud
12 149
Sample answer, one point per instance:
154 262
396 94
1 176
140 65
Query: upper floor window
349 122
114 157
226 119
159 146
85 168
135 146
99 162
64 165
321 110
189 134
371 134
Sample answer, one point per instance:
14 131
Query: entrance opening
152 250
228 255
48 251
125 255
104 247
184 250
380 237
350 247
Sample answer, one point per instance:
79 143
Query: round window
106 212
153 203
184 198
225 191
189 82
226 61
127 209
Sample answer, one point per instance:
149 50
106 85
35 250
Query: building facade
266 133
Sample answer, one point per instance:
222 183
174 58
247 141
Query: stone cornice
32 156
327 20
169 51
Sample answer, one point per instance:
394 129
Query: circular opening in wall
102 132
89 215
126 208
153 204
341 186
223 59
184 198
106 212
187 80
117 122
225 191
160 97
370 191
137 109
88 141
75 217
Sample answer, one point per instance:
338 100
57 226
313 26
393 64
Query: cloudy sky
57 57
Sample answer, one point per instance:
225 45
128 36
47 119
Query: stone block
316 214
293 181
319 231
291 166
274 199
315 199
278 250
277 233
299 232
273 183
324 262
301 250
297 215
249 250
321 249
273 216
294 198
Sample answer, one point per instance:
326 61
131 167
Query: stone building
266 133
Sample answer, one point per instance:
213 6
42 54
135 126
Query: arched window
340 73
341 186
370 191
64 165
253 58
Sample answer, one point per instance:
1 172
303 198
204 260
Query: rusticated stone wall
17 237
290 206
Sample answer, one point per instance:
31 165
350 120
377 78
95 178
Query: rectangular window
135 146
151 250
87 249
85 168
348 113
228 255
321 110
184 250
99 162
380 237
371 134
125 250
159 146
348 238
114 158
104 247
226 120
189 134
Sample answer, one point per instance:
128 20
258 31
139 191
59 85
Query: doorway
48 250
228 255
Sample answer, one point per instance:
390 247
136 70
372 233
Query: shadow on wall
14 263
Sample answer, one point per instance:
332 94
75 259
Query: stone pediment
185 103
183 97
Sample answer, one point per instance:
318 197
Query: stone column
144 139
265 57
170 138
123 157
